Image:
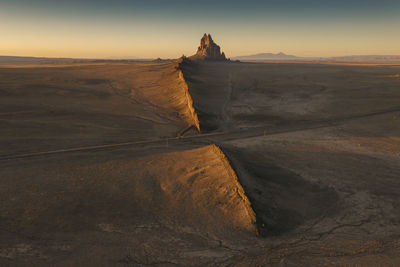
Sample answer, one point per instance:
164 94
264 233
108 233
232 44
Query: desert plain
199 163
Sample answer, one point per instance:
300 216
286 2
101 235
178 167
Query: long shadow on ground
281 199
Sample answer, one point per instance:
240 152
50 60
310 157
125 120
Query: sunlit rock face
209 50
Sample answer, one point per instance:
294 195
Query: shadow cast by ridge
281 199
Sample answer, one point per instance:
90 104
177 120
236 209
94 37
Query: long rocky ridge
217 150
189 99
239 188
181 62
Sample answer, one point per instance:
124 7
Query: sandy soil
336 185
230 96
306 171
106 211
43 108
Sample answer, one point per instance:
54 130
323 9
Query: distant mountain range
266 56
283 56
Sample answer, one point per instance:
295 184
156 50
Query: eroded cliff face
208 50
186 107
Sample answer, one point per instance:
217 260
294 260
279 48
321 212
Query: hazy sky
170 28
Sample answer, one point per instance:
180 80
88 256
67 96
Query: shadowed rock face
209 50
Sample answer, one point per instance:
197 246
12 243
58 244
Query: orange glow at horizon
49 35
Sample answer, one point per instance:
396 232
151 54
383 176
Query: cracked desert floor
189 163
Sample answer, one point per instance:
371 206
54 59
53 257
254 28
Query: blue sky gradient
168 29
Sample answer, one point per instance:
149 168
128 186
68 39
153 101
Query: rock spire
208 50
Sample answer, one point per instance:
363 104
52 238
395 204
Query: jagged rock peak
208 49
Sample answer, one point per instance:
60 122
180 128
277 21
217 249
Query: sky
171 28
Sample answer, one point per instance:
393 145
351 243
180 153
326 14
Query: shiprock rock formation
208 50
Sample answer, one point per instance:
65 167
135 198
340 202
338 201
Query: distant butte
208 50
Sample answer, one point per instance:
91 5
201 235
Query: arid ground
189 163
